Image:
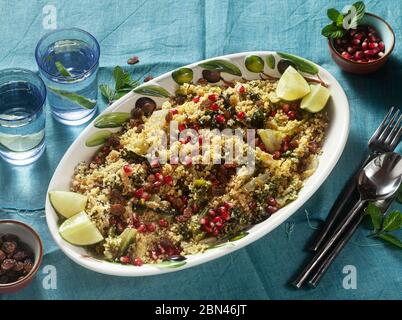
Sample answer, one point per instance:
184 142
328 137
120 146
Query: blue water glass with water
68 61
22 116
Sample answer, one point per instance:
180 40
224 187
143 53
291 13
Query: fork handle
329 245
348 193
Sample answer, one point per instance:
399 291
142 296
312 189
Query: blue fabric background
168 34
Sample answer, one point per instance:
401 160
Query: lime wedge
67 203
80 230
292 85
272 139
21 143
316 100
127 238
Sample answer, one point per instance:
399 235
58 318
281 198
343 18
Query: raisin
117 209
2 255
8 264
20 255
9 247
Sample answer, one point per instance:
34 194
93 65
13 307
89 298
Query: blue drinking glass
22 116
68 61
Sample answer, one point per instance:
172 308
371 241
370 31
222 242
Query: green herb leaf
339 21
62 70
239 236
360 11
392 222
375 215
75 98
391 239
111 120
153 91
221 66
98 138
107 92
333 31
121 77
301 64
270 59
333 14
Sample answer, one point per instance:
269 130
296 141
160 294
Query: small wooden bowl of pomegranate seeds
21 254
366 48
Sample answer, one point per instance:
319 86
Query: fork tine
384 134
393 132
396 139
381 126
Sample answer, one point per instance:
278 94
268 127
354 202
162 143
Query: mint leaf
107 92
333 14
333 31
62 70
121 77
339 21
392 222
360 10
375 215
391 239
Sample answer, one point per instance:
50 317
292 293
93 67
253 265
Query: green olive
254 64
284 64
183 75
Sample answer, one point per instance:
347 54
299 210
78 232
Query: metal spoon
378 180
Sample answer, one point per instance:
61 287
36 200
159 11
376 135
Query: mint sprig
383 225
123 85
336 28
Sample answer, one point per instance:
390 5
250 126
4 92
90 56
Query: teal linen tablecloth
169 34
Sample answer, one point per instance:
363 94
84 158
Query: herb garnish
343 21
383 225
123 85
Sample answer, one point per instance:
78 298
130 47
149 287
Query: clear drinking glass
22 116
68 61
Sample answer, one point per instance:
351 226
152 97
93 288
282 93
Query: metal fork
384 139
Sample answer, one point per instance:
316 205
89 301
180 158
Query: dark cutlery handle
349 193
316 277
329 244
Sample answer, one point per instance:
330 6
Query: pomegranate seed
146 196
215 231
214 107
291 115
381 45
358 55
182 127
151 227
141 228
241 89
124 259
273 113
372 38
380 54
225 215
227 205
346 55
200 140
173 111
159 176
252 205
370 52
194 207
168 180
222 210
154 163
212 97
163 223
371 60
373 45
137 262
157 184
351 50
271 209
286 108
204 221
356 41
128 170
220 118
212 212
139 192
217 220
272 201
276 155
196 99
241 115
358 36
364 45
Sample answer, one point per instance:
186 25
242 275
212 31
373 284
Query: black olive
284 64
177 258
147 105
211 76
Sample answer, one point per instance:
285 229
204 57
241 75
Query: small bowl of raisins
21 254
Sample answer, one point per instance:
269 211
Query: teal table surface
168 34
